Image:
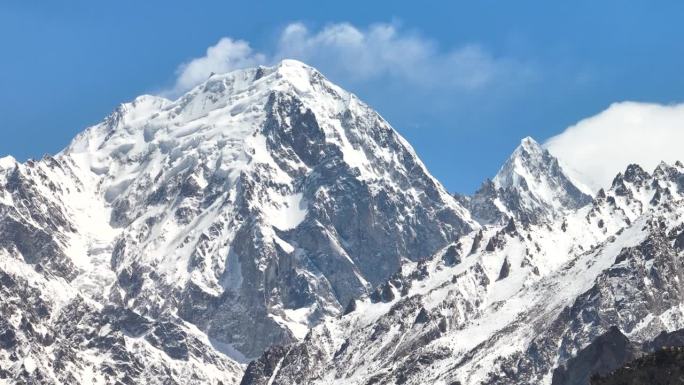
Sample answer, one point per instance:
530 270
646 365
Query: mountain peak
294 64
529 144
530 185
523 164
228 105
266 161
288 71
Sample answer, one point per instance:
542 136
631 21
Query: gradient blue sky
545 65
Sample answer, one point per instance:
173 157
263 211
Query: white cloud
225 56
603 145
350 54
383 51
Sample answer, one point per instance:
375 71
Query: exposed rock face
664 367
613 356
605 354
190 235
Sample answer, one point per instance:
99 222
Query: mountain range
268 227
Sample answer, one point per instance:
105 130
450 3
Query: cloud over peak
351 54
224 56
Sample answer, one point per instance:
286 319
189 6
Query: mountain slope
190 235
509 304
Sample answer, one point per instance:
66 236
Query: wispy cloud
384 51
351 54
225 56
603 145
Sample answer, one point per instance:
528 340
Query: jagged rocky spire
531 186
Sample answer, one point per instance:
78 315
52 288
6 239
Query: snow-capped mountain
176 239
530 187
268 227
511 303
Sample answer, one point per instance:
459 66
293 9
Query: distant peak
293 63
296 71
529 141
530 145
539 181
664 166
287 66
529 155
634 173
299 75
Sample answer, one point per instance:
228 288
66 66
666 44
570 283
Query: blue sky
462 81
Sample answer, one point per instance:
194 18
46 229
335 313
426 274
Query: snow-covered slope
508 304
58 324
176 239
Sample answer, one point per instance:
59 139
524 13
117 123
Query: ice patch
288 248
288 213
296 320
